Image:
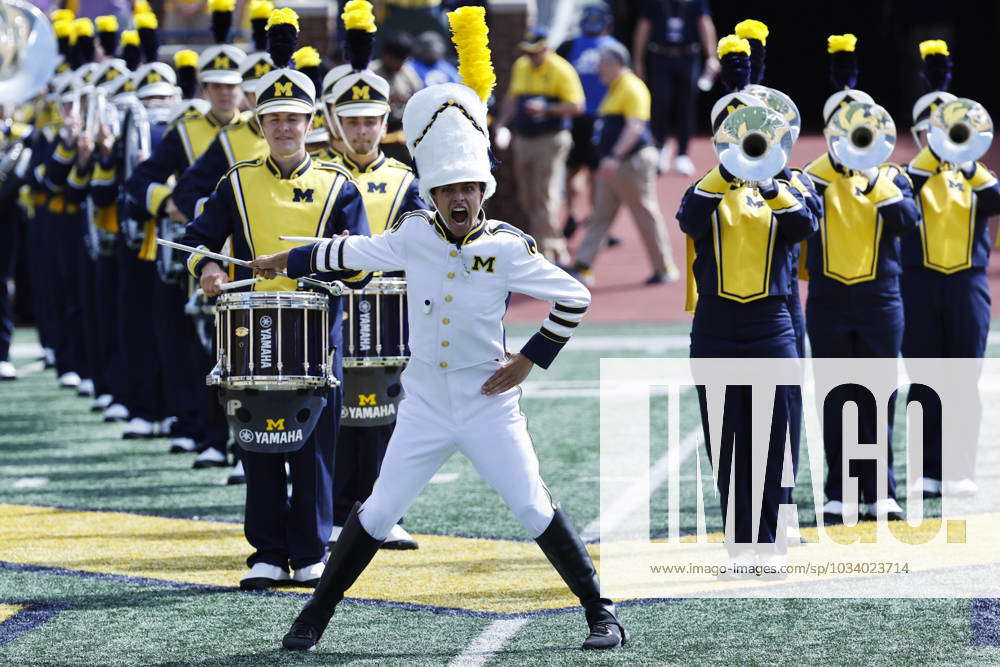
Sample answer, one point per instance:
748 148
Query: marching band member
285 193
741 309
15 139
357 108
854 307
946 292
183 360
460 385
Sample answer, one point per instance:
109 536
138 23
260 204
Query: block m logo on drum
367 399
276 424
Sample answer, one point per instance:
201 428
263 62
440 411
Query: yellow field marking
9 611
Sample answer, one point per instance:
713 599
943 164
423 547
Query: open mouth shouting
460 215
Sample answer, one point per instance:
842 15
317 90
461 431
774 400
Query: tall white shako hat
258 62
221 62
361 92
284 88
154 80
445 124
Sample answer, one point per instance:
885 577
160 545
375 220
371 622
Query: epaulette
245 163
393 162
712 184
898 169
498 227
333 166
821 169
424 215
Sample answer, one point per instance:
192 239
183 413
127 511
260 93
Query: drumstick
305 239
236 284
336 289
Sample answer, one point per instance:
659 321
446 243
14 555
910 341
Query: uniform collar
471 236
254 126
215 122
353 166
300 169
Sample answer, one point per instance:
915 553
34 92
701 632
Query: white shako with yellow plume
221 63
445 124
258 62
284 88
935 59
361 92
843 75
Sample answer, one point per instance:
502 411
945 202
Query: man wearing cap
544 95
285 193
357 109
627 172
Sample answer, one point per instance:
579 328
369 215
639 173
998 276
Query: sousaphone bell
860 136
960 131
753 143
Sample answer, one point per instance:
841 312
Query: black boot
562 545
354 549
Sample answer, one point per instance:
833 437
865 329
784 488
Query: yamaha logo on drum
246 435
265 341
365 325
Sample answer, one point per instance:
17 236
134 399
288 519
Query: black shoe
605 636
570 228
302 637
562 545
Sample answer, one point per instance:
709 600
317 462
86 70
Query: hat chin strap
340 128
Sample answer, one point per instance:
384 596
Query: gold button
444 343
453 253
451 274
446 321
443 364
448 298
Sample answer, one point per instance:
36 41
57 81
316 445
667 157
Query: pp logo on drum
246 435
265 322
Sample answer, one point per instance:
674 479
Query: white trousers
444 412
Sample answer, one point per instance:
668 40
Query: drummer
389 189
252 203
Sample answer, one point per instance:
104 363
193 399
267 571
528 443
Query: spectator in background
627 172
668 44
544 95
412 17
429 63
583 53
394 67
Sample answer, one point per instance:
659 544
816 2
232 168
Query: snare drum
376 331
273 340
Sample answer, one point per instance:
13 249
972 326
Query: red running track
619 294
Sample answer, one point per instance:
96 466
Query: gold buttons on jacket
451 274
454 253
448 298
445 343
446 321
443 364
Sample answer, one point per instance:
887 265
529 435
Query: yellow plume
835 43
733 44
933 46
280 16
221 5
141 7
107 23
261 9
83 27
185 58
752 29
471 38
358 15
62 15
307 56
64 28
130 38
146 20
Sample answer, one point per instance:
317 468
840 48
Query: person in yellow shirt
627 171
544 94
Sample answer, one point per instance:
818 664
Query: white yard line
489 642
657 478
